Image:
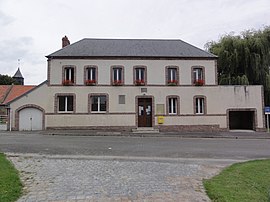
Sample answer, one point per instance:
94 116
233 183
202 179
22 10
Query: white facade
218 101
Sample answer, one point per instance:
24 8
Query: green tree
244 59
6 80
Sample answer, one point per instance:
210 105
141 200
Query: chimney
65 41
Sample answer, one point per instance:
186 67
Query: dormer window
91 75
172 75
69 76
198 76
117 75
140 76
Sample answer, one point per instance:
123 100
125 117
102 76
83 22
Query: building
7 94
18 77
125 84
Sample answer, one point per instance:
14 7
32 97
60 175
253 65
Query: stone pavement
84 178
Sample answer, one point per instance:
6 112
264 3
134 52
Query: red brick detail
17 111
96 128
167 76
255 121
85 73
190 128
177 102
204 105
63 72
145 74
123 74
90 103
192 75
64 94
153 108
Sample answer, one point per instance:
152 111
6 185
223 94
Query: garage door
241 120
30 119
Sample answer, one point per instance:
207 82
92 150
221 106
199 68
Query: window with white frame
68 75
172 104
198 77
117 75
199 105
65 103
91 73
139 76
98 103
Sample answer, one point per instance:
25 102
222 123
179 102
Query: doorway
241 120
144 112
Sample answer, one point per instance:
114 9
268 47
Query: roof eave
134 57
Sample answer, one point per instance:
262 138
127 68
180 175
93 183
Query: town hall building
129 84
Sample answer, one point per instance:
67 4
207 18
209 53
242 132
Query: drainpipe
9 117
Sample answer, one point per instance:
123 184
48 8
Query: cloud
4 19
15 48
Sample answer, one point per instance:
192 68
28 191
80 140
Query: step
145 130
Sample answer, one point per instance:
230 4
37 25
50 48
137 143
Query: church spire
18 77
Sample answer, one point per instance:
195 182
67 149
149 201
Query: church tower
18 77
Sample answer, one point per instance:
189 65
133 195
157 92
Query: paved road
164 147
83 168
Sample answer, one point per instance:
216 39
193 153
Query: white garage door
30 119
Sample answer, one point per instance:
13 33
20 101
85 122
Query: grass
249 181
10 184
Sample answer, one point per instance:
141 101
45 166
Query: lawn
10 184
248 181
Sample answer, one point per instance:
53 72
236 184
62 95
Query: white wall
218 100
155 70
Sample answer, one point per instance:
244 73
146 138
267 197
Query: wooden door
145 112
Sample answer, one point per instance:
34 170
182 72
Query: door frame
17 111
255 121
137 105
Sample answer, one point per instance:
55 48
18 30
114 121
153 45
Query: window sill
173 114
98 112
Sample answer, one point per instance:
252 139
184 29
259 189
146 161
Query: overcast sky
32 29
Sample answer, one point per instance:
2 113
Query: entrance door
145 112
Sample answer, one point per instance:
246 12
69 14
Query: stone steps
145 130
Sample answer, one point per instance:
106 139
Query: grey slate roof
18 74
131 48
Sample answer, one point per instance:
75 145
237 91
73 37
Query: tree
6 80
244 59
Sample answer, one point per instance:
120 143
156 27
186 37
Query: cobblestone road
70 178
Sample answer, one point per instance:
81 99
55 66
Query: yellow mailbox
160 119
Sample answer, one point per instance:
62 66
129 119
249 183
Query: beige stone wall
155 70
219 99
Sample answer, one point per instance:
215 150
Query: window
98 103
199 105
140 76
198 77
65 104
172 105
117 75
172 75
69 75
91 76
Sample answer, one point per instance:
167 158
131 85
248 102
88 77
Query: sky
32 29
